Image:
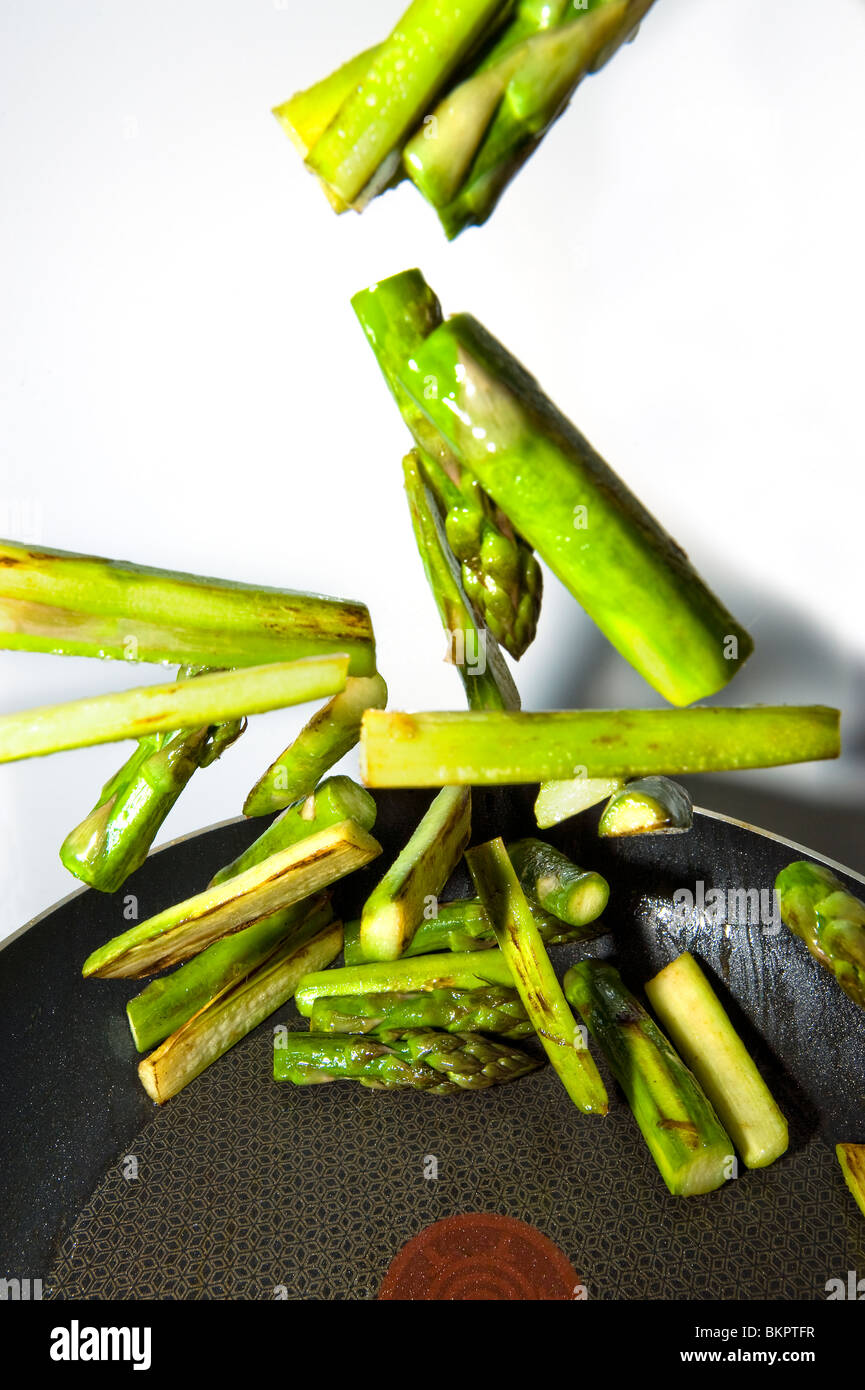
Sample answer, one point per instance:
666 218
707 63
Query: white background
182 381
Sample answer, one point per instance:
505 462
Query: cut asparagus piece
494 1009
574 895
81 605
472 648
331 732
282 879
395 908
442 1063
336 799
817 907
852 1160
683 1133
557 800
222 1023
169 1002
521 945
697 1023
647 806
491 747
461 970
153 709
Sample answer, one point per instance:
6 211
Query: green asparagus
494 1009
647 806
418 974
817 907
852 1160
422 1059
558 800
574 895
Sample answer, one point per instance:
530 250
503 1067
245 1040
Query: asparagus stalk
683 1133
278 882
228 1018
494 1009
521 945
331 732
574 895
435 749
647 806
395 908
169 1002
336 799
817 907
420 974
80 605
421 1059
557 800
852 1160
700 1029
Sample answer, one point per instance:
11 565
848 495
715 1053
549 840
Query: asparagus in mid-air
817 907
852 1160
560 798
421 1059
491 1009
574 895
413 975
647 806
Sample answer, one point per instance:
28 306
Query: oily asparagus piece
151 709
81 605
521 945
395 908
494 1009
817 907
491 747
558 799
647 806
698 1025
419 974
852 1160
574 895
423 1059
228 1018
331 732
336 799
683 1133
472 648
279 881
169 1002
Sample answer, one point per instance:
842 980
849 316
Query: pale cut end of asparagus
559 800
852 1160
223 1022
698 1025
647 806
277 882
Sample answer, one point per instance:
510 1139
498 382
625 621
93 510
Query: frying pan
241 1188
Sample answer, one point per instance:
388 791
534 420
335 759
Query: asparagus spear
698 1025
228 1018
422 1059
461 970
682 1131
151 709
336 799
574 895
80 605
817 907
282 879
647 806
394 909
435 749
522 947
852 1160
558 799
493 1009
330 733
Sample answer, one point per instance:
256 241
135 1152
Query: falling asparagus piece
81 605
558 800
278 882
395 908
331 732
442 1063
222 1023
817 907
419 974
472 648
152 709
488 747
697 1023
852 1160
683 1133
534 977
336 799
647 806
169 1002
574 895
493 1009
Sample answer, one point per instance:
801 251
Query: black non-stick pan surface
242 1188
